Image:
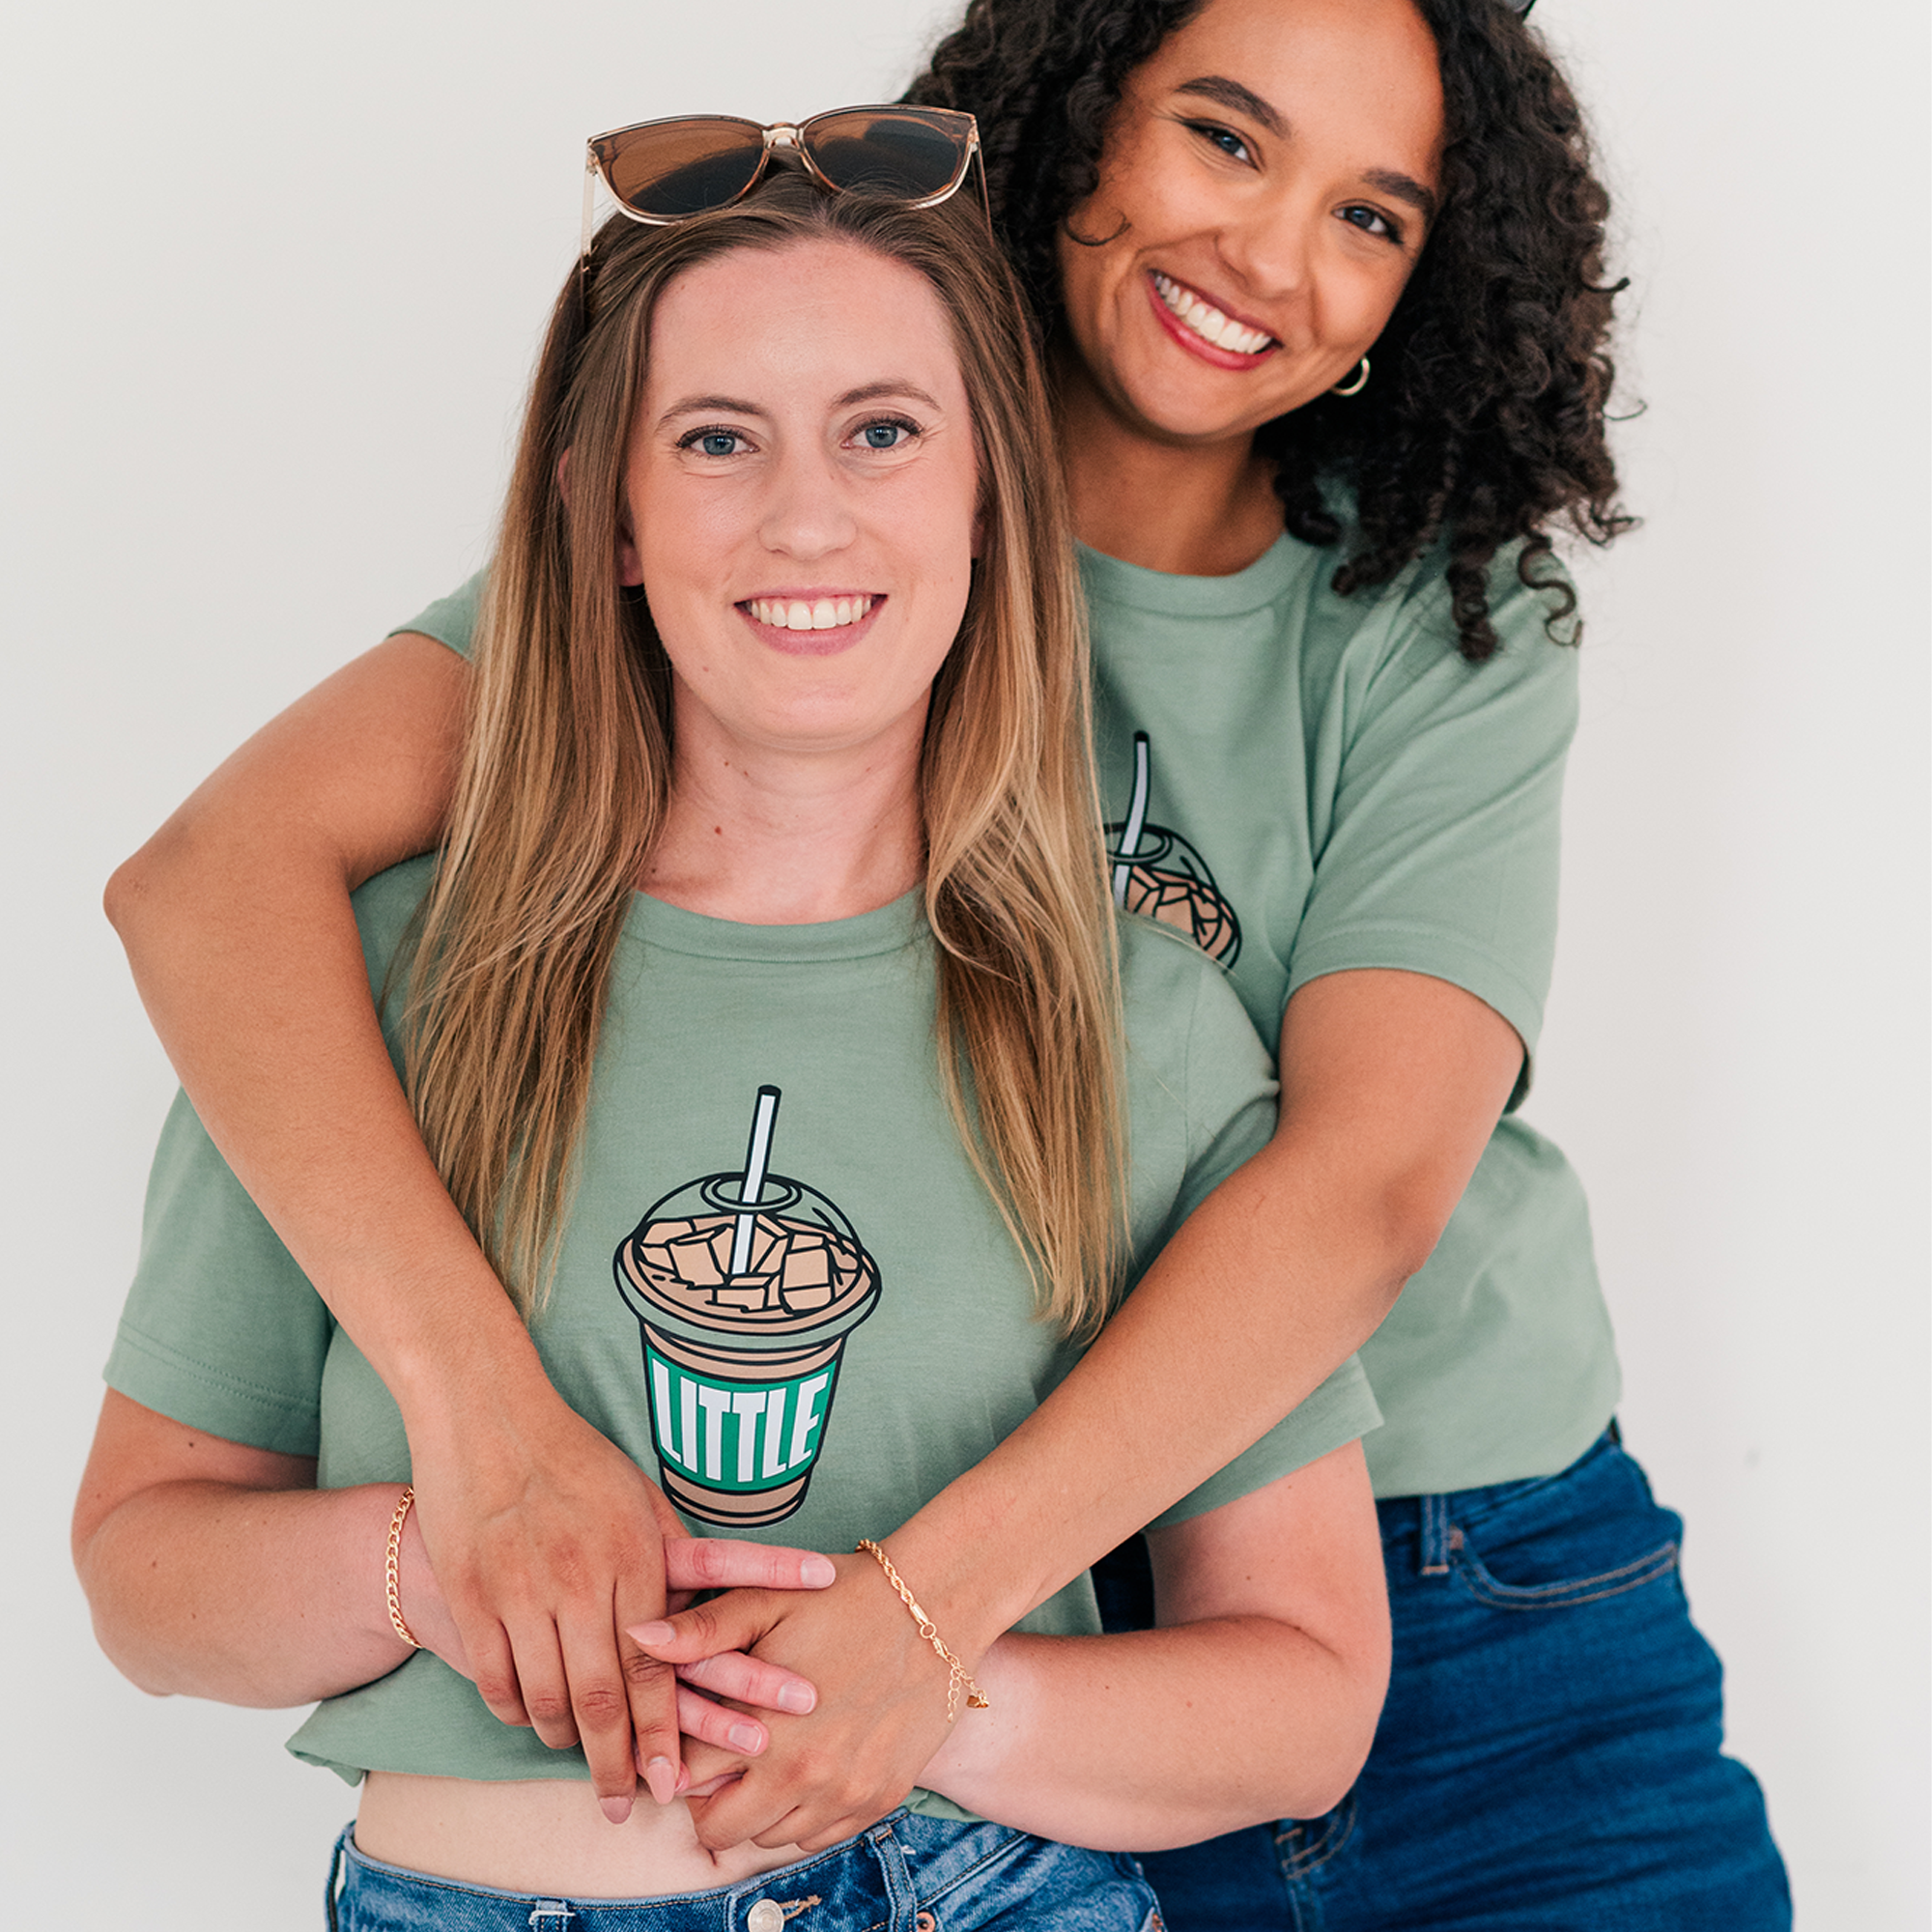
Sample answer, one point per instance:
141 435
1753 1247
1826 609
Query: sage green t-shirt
781 1288
1330 785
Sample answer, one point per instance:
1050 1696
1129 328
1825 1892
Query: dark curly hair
1485 423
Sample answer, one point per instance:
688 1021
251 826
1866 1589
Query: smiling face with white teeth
800 488
1264 191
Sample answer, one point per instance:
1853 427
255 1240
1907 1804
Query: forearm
257 1597
1180 1381
1391 1084
238 925
265 1009
1158 1738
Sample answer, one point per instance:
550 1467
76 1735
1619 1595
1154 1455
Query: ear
630 564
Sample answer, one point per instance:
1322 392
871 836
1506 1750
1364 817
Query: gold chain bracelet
976 1698
393 1565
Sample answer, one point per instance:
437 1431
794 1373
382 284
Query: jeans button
766 1916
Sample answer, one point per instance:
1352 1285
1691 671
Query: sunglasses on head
665 171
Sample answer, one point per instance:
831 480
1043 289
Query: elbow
1410 1217
1356 1650
125 890
119 1635
1327 1774
144 886
1324 1771
131 1666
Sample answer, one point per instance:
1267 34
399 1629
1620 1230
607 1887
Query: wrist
418 1599
464 1366
960 1689
971 1582
392 1567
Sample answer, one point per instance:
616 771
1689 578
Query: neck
784 838
1189 509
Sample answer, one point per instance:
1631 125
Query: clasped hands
798 1709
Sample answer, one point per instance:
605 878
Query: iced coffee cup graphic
745 1286
1157 873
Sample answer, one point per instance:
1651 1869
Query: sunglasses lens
897 150
683 167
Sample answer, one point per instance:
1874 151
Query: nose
805 511
1270 247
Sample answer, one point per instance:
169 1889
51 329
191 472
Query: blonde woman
766 1014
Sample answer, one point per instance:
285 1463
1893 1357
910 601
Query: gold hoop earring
1356 387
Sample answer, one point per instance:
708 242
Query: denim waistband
862 1882
907 1873
1427 1521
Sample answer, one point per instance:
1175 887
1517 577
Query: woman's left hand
691 1564
881 1712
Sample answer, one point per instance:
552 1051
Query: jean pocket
1486 1588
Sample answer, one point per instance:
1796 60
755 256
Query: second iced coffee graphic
745 1286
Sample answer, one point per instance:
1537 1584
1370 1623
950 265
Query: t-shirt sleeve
221 1330
452 621
1437 802
1229 1103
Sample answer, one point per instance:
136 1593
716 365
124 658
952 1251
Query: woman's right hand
533 1543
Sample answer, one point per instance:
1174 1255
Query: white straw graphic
1130 833
752 1187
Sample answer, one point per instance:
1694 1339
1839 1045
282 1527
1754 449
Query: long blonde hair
567 767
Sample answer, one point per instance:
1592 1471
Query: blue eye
1226 139
718 442
1372 221
889 434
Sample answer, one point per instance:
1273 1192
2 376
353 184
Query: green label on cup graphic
744 1287
737 1437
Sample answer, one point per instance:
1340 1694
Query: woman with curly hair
1321 288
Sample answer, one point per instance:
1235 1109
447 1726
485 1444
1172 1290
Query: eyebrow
873 393
736 406
1404 187
698 405
1243 100
1231 94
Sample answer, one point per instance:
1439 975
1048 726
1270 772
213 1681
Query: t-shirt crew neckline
886 928
1166 594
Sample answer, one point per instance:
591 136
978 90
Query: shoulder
452 621
1382 670
1404 630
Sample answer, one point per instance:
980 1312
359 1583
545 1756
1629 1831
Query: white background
272 282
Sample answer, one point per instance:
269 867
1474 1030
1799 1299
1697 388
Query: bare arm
1391 1084
216 1570
1256 1698
237 921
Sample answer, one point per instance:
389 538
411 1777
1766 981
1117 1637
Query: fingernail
684 1777
816 1571
747 1736
661 1775
650 1633
796 1698
616 1809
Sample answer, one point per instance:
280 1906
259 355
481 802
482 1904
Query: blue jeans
1550 1754
906 1874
